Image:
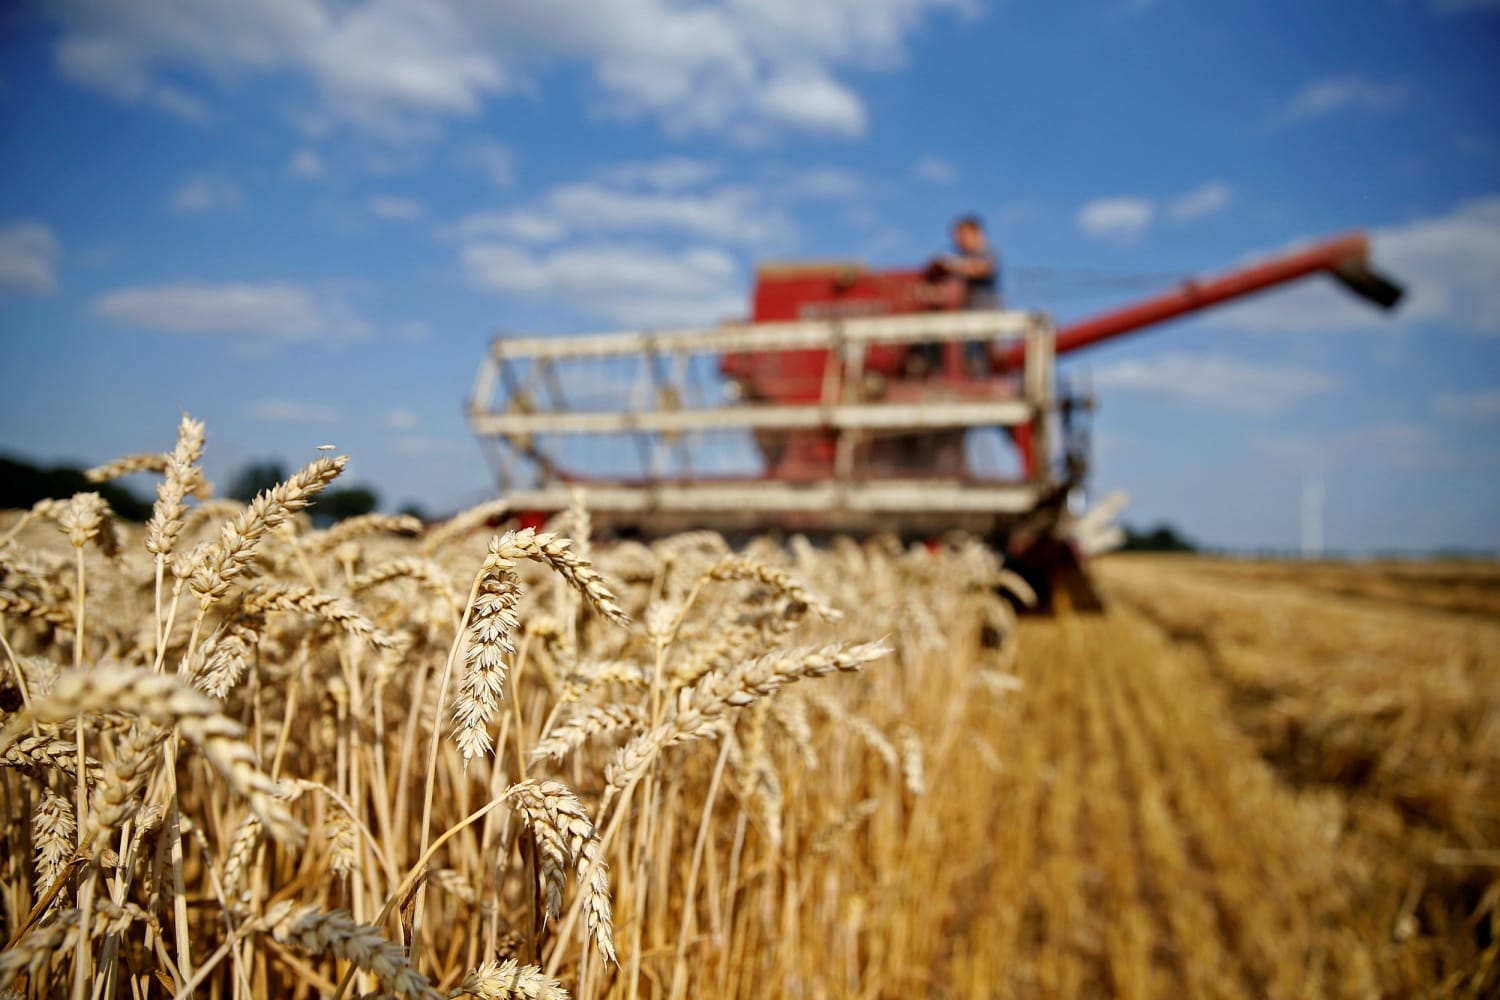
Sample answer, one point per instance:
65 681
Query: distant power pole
1312 518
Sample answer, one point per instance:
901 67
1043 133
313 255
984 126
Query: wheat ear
210 578
182 475
563 833
510 980
168 701
313 931
491 623
127 465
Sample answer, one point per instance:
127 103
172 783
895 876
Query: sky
302 220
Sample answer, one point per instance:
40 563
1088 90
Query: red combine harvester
851 402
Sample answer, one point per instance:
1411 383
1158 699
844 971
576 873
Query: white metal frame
505 414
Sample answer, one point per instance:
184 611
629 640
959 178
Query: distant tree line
1160 538
22 484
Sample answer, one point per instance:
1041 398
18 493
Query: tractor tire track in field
1142 848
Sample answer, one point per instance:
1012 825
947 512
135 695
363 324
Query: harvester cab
848 403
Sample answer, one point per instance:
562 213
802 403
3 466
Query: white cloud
1392 444
399 420
1127 218
807 98
29 252
495 160
394 209
1202 201
1333 94
669 173
287 411
412 331
935 170
1215 380
634 285
278 311
305 163
525 225
728 214
1483 404
1124 219
205 194
395 66
832 183
1447 263
429 446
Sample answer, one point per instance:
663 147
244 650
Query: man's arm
978 265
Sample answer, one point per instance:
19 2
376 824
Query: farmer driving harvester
970 278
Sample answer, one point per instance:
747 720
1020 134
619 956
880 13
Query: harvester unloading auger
816 417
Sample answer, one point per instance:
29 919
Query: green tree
257 477
1162 538
23 484
334 505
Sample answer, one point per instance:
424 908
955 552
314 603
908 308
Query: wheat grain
510 980
329 607
741 568
461 524
52 832
127 465
44 751
220 566
181 467
426 572
564 833
167 701
315 932
87 518
351 528
35 949
556 553
483 685
591 722
21 606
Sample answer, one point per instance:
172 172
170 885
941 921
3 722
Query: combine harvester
849 404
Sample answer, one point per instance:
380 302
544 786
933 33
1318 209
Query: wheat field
246 758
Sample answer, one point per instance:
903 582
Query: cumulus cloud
1447 264
286 411
1346 92
1124 219
935 170
731 214
275 311
634 285
1392 444
305 163
29 252
1127 218
808 98
1483 404
495 160
831 183
204 194
1218 381
394 209
668 173
399 420
393 65
1202 201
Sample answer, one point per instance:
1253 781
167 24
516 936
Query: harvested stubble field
248 758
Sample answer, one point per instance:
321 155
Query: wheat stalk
169 702
221 565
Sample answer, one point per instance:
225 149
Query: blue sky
301 220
